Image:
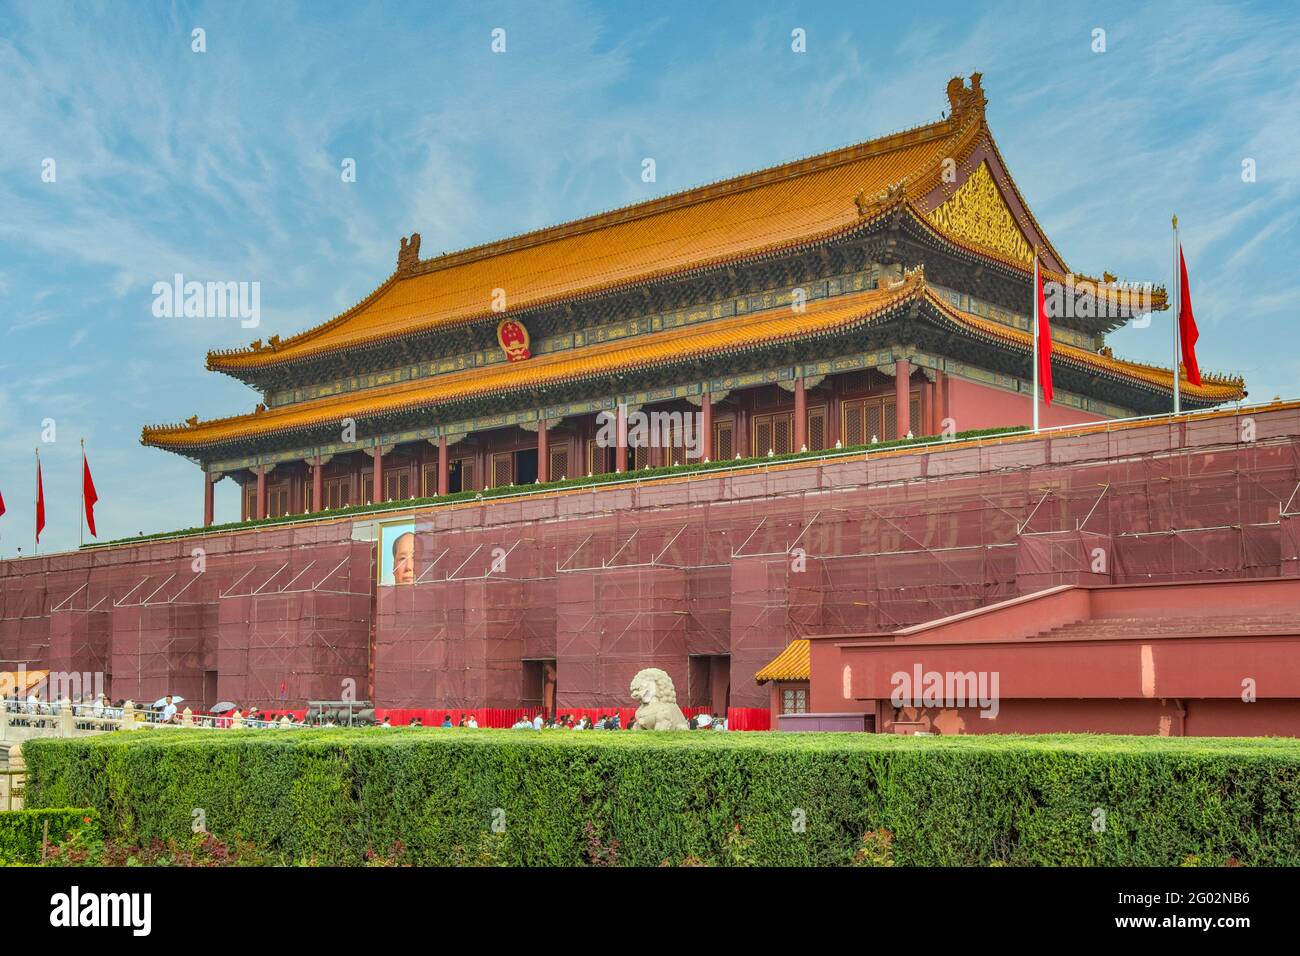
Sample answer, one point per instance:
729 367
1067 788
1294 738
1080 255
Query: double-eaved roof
769 213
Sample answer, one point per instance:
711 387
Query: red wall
983 406
609 580
1114 659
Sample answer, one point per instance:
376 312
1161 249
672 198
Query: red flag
40 503
1187 332
88 493
2 504
1044 332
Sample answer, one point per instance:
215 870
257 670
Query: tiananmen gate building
448 500
864 294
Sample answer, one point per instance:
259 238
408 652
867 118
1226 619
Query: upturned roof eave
1008 339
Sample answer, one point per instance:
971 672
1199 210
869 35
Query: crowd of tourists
34 705
165 712
608 722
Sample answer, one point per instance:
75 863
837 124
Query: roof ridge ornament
890 195
408 254
965 101
913 277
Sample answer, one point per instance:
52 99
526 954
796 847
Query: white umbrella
222 707
703 720
162 701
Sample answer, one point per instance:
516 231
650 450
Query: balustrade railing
35 718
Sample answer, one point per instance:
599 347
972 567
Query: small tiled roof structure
793 663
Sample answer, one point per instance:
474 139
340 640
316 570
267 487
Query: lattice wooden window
816 428
336 492
250 502
503 469
853 424
638 458
783 434
794 699
466 468
774 432
368 486
914 412
596 458
676 451
277 500
724 445
397 484
429 480
559 455
863 419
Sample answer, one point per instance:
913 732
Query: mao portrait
398 553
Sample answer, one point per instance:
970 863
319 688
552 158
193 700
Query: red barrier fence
433 717
738 718
749 718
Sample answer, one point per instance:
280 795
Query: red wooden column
261 492
620 437
208 502
377 490
833 412
939 414
902 398
800 415
443 466
706 423
543 453
317 486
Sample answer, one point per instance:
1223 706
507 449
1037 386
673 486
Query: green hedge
582 481
330 796
23 831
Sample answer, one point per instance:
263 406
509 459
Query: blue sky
225 165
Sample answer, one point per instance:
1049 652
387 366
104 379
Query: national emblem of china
513 338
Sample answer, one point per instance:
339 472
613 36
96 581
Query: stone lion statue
658 710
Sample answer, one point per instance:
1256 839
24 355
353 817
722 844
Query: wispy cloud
226 165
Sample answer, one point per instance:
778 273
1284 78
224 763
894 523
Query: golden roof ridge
966 121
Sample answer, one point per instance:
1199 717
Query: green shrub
23 832
877 849
489 797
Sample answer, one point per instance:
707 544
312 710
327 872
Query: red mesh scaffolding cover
607 581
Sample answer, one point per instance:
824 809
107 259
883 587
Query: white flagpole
1178 286
1033 310
36 499
81 523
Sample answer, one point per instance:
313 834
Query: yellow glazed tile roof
793 663
1212 388
731 335
763 213
745 217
